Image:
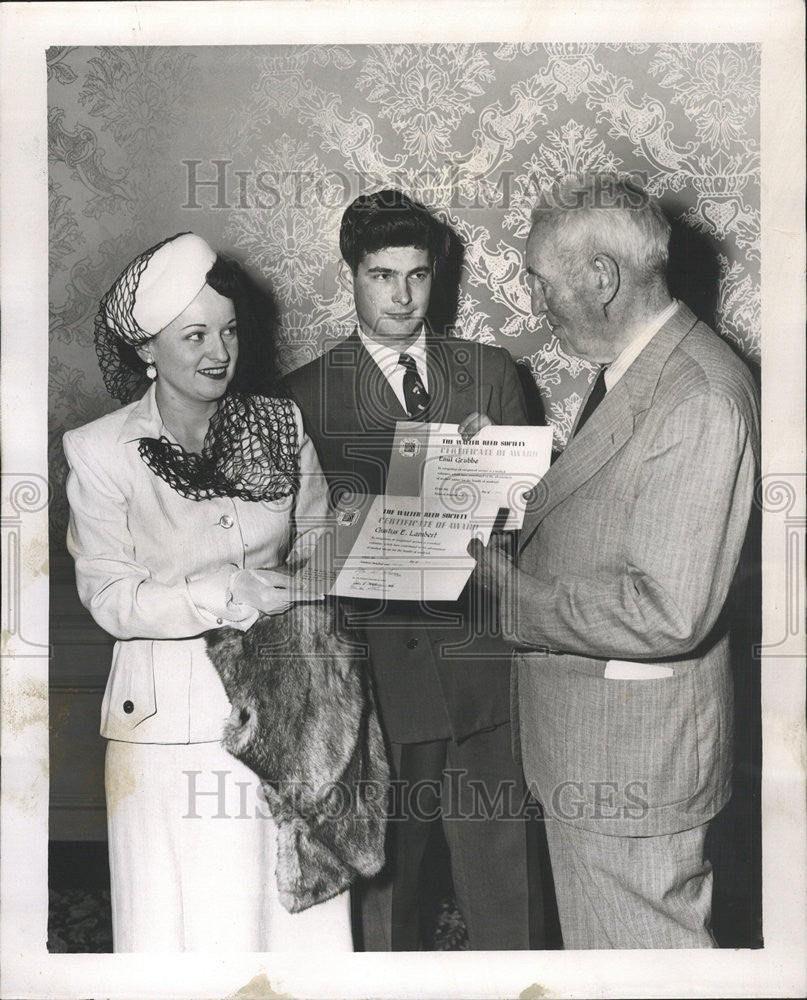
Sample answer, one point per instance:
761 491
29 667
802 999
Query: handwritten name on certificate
494 469
397 548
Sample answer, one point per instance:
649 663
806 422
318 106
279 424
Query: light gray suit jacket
628 553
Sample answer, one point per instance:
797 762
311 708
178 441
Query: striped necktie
415 395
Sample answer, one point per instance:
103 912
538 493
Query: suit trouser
456 783
631 892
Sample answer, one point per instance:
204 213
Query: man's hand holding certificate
442 491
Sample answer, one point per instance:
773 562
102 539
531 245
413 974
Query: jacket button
128 707
411 644
226 521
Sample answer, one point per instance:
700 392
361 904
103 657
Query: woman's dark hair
255 370
388 218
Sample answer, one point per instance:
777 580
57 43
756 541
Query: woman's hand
271 591
473 424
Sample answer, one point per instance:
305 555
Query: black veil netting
251 446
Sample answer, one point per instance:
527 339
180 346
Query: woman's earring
151 371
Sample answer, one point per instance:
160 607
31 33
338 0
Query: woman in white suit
179 502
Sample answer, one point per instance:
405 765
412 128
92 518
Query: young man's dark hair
388 218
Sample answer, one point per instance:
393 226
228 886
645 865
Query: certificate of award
399 548
411 544
494 469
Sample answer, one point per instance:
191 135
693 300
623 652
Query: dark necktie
595 397
415 395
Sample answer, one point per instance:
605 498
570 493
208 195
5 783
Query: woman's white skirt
192 854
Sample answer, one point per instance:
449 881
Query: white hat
171 280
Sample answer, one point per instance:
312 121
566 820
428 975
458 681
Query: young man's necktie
415 395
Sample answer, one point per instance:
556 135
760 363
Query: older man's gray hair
605 213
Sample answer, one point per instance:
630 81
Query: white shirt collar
387 360
625 358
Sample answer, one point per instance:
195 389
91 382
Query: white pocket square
625 670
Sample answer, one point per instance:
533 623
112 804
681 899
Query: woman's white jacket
153 568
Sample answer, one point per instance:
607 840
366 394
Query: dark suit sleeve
293 386
508 393
301 387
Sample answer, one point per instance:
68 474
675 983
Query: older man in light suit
617 604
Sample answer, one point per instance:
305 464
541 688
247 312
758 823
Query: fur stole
303 720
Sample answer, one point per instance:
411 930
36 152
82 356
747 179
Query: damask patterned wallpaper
260 149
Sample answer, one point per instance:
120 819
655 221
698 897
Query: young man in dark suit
441 673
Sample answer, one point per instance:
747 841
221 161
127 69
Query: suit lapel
582 458
376 404
453 389
368 408
610 426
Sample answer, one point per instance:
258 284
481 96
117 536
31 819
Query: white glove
271 591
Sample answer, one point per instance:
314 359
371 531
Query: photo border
28 970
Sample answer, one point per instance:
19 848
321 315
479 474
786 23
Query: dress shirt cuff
213 599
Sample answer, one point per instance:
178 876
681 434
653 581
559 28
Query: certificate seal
409 447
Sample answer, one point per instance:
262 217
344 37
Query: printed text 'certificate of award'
494 469
395 547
